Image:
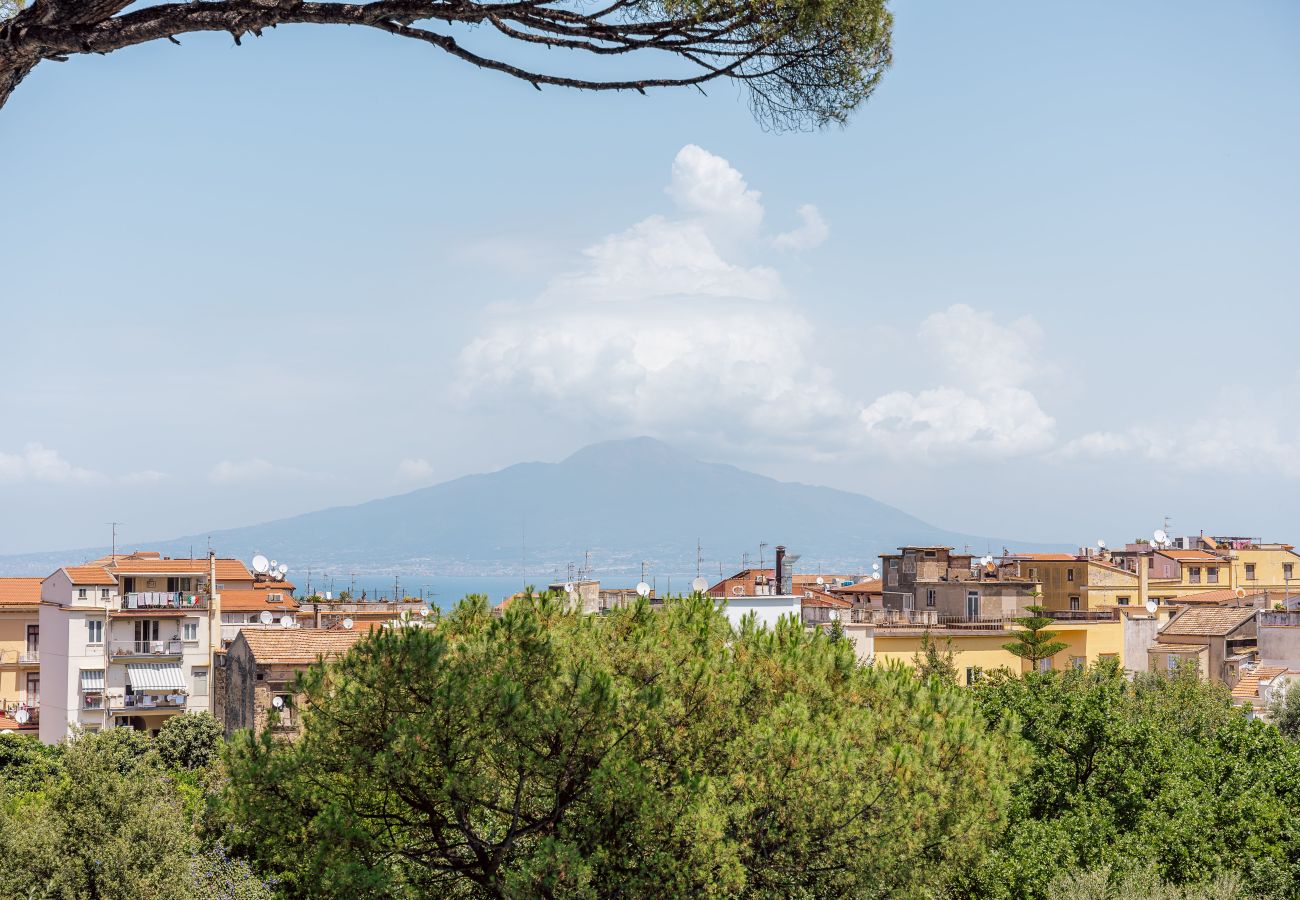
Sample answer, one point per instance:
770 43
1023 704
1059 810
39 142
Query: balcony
146 702
20 658
122 650
163 601
10 710
928 618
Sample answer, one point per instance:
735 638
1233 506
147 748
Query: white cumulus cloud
414 469
38 463
247 471
812 232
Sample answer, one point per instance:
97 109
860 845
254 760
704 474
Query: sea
446 591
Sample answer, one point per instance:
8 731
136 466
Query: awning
92 679
155 676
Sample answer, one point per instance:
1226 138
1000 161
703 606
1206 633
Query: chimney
780 568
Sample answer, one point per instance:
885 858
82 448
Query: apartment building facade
20 666
128 641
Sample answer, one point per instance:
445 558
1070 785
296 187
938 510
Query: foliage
108 823
1144 884
804 62
25 762
1284 711
932 662
1160 771
1034 642
190 740
548 753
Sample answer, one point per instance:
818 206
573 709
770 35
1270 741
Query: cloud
986 411
247 471
38 463
414 469
1228 443
147 476
812 232
666 326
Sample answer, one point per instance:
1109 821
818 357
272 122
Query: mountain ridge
625 501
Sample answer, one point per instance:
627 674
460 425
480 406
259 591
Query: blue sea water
445 591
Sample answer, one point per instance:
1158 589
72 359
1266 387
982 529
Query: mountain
624 501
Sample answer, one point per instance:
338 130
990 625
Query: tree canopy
550 753
803 61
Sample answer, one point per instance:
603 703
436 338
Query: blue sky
1044 283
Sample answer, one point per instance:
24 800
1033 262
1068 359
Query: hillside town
132 639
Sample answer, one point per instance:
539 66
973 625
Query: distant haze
624 502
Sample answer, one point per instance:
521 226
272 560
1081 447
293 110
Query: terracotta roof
873 586
1193 556
1048 557
227 569
248 600
1223 595
275 586
823 600
1207 621
1247 688
297 645
95 575
20 591
1177 648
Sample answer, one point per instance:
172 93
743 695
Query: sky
1044 284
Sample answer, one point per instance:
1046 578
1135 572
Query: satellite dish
261 564
273 564
568 588
820 580
21 716
329 595
1152 606
277 702
347 623
281 568
286 621
424 611
643 589
266 618
1101 544
1240 592
699 585
987 560
875 567
1160 536
737 591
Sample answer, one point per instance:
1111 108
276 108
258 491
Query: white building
768 609
128 640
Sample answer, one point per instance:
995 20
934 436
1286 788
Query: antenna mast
114 525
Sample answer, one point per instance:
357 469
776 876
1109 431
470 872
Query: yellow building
20 670
1217 564
982 648
1080 583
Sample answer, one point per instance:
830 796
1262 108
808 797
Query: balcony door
972 605
146 632
33 638
33 688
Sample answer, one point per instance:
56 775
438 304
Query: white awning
155 676
92 679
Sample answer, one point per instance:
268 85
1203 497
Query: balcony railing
20 657
163 600
1277 617
124 649
149 701
924 618
11 707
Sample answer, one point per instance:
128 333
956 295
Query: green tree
1284 711
191 740
804 61
933 662
1159 771
1034 642
547 753
110 824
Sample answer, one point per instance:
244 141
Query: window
94 631
972 604
930 596
1045 665
33 688
284 708
1171 662
81 593
893 565
190 630
92 688
1033 574
200 676
103 593
1212 575
1069 574
33 638
930 554
1250 571
1078 663
1123 601
972 674
1287 569
1194 574
1074 602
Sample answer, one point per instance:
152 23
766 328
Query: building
940 586
1083 582
821 607
867 593
593 598
128 640
1204 562
20 671
258 671
1219 641
257 607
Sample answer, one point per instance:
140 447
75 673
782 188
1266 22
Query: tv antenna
114 527
762 545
